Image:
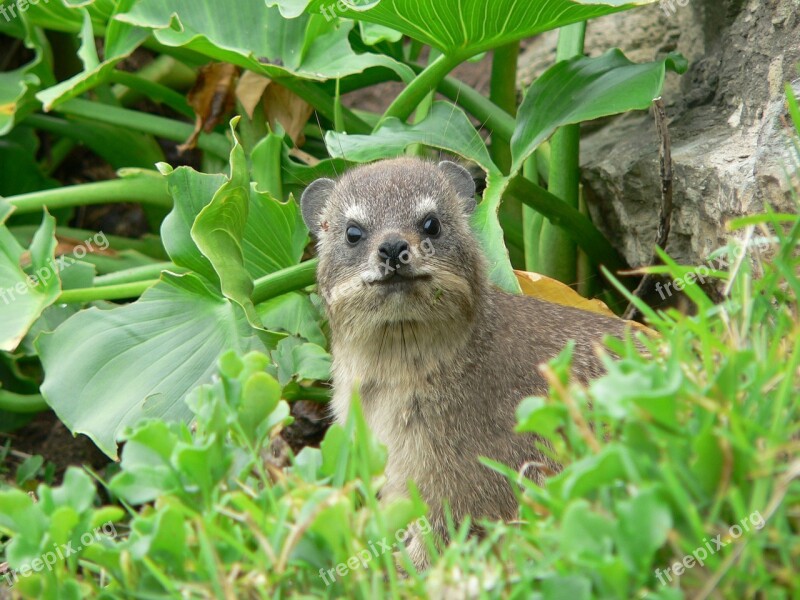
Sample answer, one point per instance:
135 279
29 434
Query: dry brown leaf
66 246
287 108
212 97
250 91
552 290
280 105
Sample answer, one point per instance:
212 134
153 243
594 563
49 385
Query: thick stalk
170 129
484 110
138 274
423 84
578 227
151 189
531 219
22 404
558 254
122 291
503 93
284 281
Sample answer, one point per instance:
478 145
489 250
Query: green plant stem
22 404
138 274
150 189
165 71
285 281
503 93
156 92
531 219
569 219
558 254
109 292
294 392
170 129
426 82
487 112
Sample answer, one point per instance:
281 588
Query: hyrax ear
312 202
462 183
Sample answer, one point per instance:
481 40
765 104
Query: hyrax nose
394 251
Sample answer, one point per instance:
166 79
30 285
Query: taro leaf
466 27
303 360
446 127
581 89
219 228
120 147
296 176
372 33
106 369
120 40
191 192
23 299
18 87
295 314
486 224
258 38
67 15
274 236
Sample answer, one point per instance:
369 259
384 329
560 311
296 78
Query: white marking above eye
425 206
356 213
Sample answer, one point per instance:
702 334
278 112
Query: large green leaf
18 87
118 146
219 228
467 27
486 223
446 127
106 369
582 89
23 299
121 39
258 38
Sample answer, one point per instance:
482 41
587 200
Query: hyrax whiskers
440 357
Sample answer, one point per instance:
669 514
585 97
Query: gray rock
728 120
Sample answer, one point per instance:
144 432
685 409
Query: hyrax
440 357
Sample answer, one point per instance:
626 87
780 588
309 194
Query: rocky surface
727 120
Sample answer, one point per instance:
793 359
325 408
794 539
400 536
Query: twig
665 216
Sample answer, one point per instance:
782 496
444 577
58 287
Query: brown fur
441 365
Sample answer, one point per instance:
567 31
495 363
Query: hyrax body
440 357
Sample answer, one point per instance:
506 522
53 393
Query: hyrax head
394 242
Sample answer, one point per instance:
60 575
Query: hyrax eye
431 226
353 234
